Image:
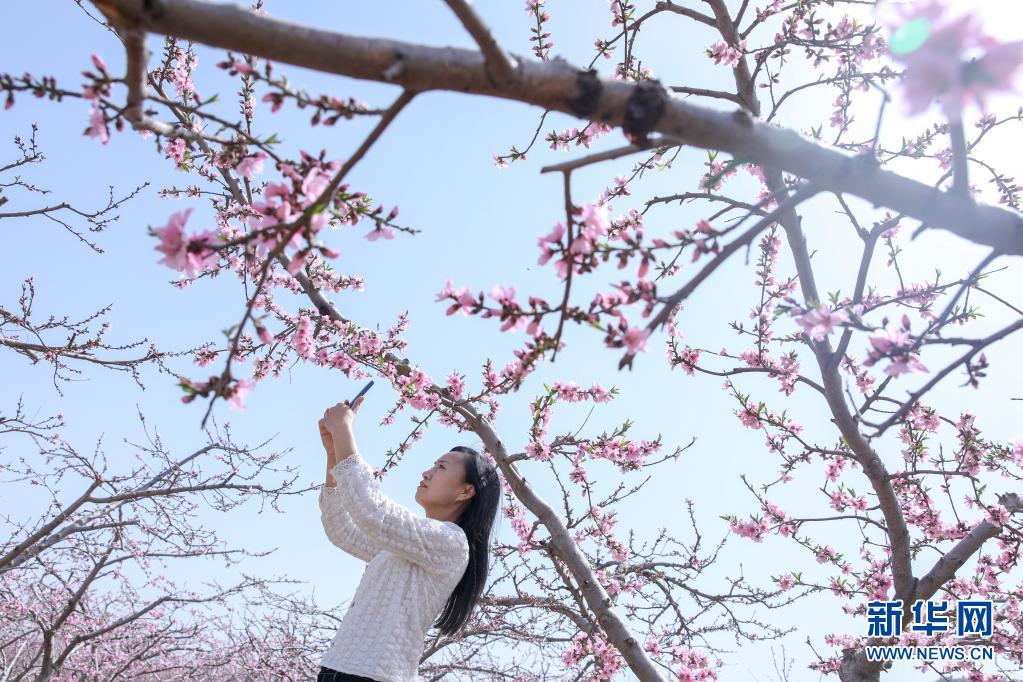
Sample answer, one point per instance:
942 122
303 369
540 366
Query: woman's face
443 485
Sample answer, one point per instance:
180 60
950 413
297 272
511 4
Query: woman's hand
341 417
328 440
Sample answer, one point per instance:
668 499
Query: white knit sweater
413 564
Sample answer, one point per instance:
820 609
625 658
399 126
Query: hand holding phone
337 417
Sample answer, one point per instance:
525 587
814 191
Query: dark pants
331 675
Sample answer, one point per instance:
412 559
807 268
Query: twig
500 66
799 196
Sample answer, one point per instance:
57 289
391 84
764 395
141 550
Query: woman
416 567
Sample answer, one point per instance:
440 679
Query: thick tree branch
137 56
743 77
559 86
950 563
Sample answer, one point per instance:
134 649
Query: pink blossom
302 339
464 301
940 68
835 468
1017 451
502 295
644 269
97 124
187 254
786 582
554 236
997 515
561 268
455 385
594 219
704 227
176 149
380 231
723 53
749 415
755 530
635 339
276 101
924 418
581 245
885 340
241 389
277 189
894 343
600 394
251 165
181 74
820 322
315 182
297 262
316 223
594 224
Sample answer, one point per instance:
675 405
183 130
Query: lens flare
910 36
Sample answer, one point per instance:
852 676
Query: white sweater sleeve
433 544
341 529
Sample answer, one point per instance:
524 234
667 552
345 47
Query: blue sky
479 226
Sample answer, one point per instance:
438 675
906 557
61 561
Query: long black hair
477 520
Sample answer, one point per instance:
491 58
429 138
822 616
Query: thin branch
609 155
704 92
668 6
799 196
14 559
977 345
500 66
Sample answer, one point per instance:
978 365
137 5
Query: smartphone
361 393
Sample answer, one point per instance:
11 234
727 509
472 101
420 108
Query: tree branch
797 197
500 66
559 86
947 566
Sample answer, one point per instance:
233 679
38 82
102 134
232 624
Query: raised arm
436 545
341 529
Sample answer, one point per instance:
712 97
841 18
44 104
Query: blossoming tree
277 211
